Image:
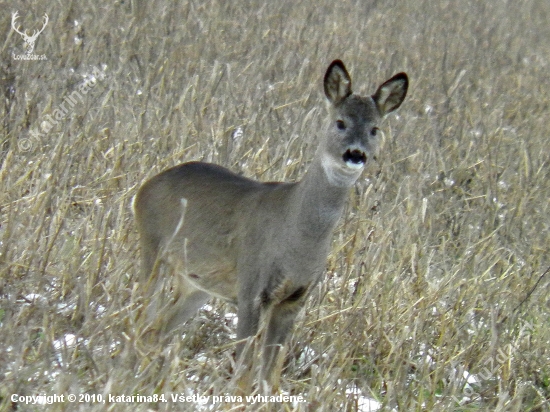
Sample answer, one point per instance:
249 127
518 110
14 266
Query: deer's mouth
355 159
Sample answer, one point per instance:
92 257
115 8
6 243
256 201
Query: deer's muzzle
355 159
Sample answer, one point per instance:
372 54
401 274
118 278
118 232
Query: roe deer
262 246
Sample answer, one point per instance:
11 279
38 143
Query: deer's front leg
247 327
280 324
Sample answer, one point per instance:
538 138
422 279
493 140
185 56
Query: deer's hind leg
185 305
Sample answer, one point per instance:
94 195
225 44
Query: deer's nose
355 159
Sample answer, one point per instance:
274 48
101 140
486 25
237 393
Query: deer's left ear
337 82
391 93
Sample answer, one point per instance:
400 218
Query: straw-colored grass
436 296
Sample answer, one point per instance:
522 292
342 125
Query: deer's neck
319 202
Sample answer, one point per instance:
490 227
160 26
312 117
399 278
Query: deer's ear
391 93
337 82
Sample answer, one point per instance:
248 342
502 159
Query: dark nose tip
355 156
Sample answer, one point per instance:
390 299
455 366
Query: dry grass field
436 296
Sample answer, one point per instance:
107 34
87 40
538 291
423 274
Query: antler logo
29 40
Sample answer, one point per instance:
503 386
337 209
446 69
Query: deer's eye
374 131
340 125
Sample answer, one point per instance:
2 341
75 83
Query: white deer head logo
29 40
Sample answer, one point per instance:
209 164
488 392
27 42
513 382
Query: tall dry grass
435 297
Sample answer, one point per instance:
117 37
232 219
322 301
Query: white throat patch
340 174
353 165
